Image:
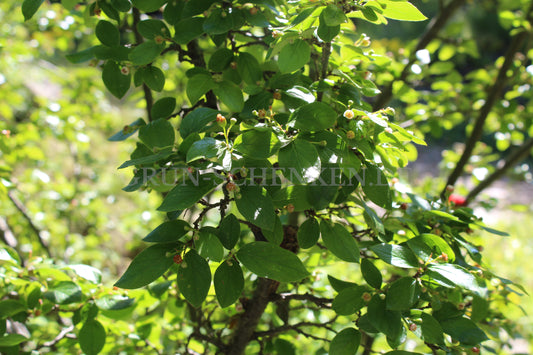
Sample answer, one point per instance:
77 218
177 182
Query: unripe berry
350 134
262 113
366 297
159 39
382 296
444 256
349 114
253 11
125 70
221 120
233 65
290 208
231 186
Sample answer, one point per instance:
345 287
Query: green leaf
220 59
339 285
376 187
308 233
8 340
116 82
163 108
325 32
315 116
345 342
402 11
154 78
294 56
206 148
401 352
268 260
146 267
9 308
127 131
229 282
371 274
257 144
198 86
158 133
64 292
230 95
188 192
30 7
188 29
146 52
107 33
170 231
86 272
387 322
209 246
427 246
402 294
349 300
339 241
148 159
92 337
119 5
151 28
300 162
114 302
395 255
432 330
81 56
148 5
464 330
229 231
274 236
333 15
218 22
256 207
194 278
450 275
196 121
249 68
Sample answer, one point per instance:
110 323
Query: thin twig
319 301
514 158
492 97
24 212
434 27
62 334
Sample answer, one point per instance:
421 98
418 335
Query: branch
24 211
64 333
148 97
9 238
514 158
326 52
295 327
492 98
319 301
434 27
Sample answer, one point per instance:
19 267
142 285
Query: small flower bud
366 297
221 120
412 327
159 39
290 208
177 259
125 70
277 95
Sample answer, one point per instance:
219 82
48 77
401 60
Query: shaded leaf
194 278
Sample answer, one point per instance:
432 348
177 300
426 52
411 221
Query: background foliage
69 232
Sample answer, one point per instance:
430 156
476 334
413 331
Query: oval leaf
107 33
116 82
315 116
395 255
294 56
194 278
170 231
268 260
92 337
146 267
345 342
229 282
308 233
339 241
371 274
300 162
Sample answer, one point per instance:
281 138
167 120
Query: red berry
475 349
404 206
458 200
